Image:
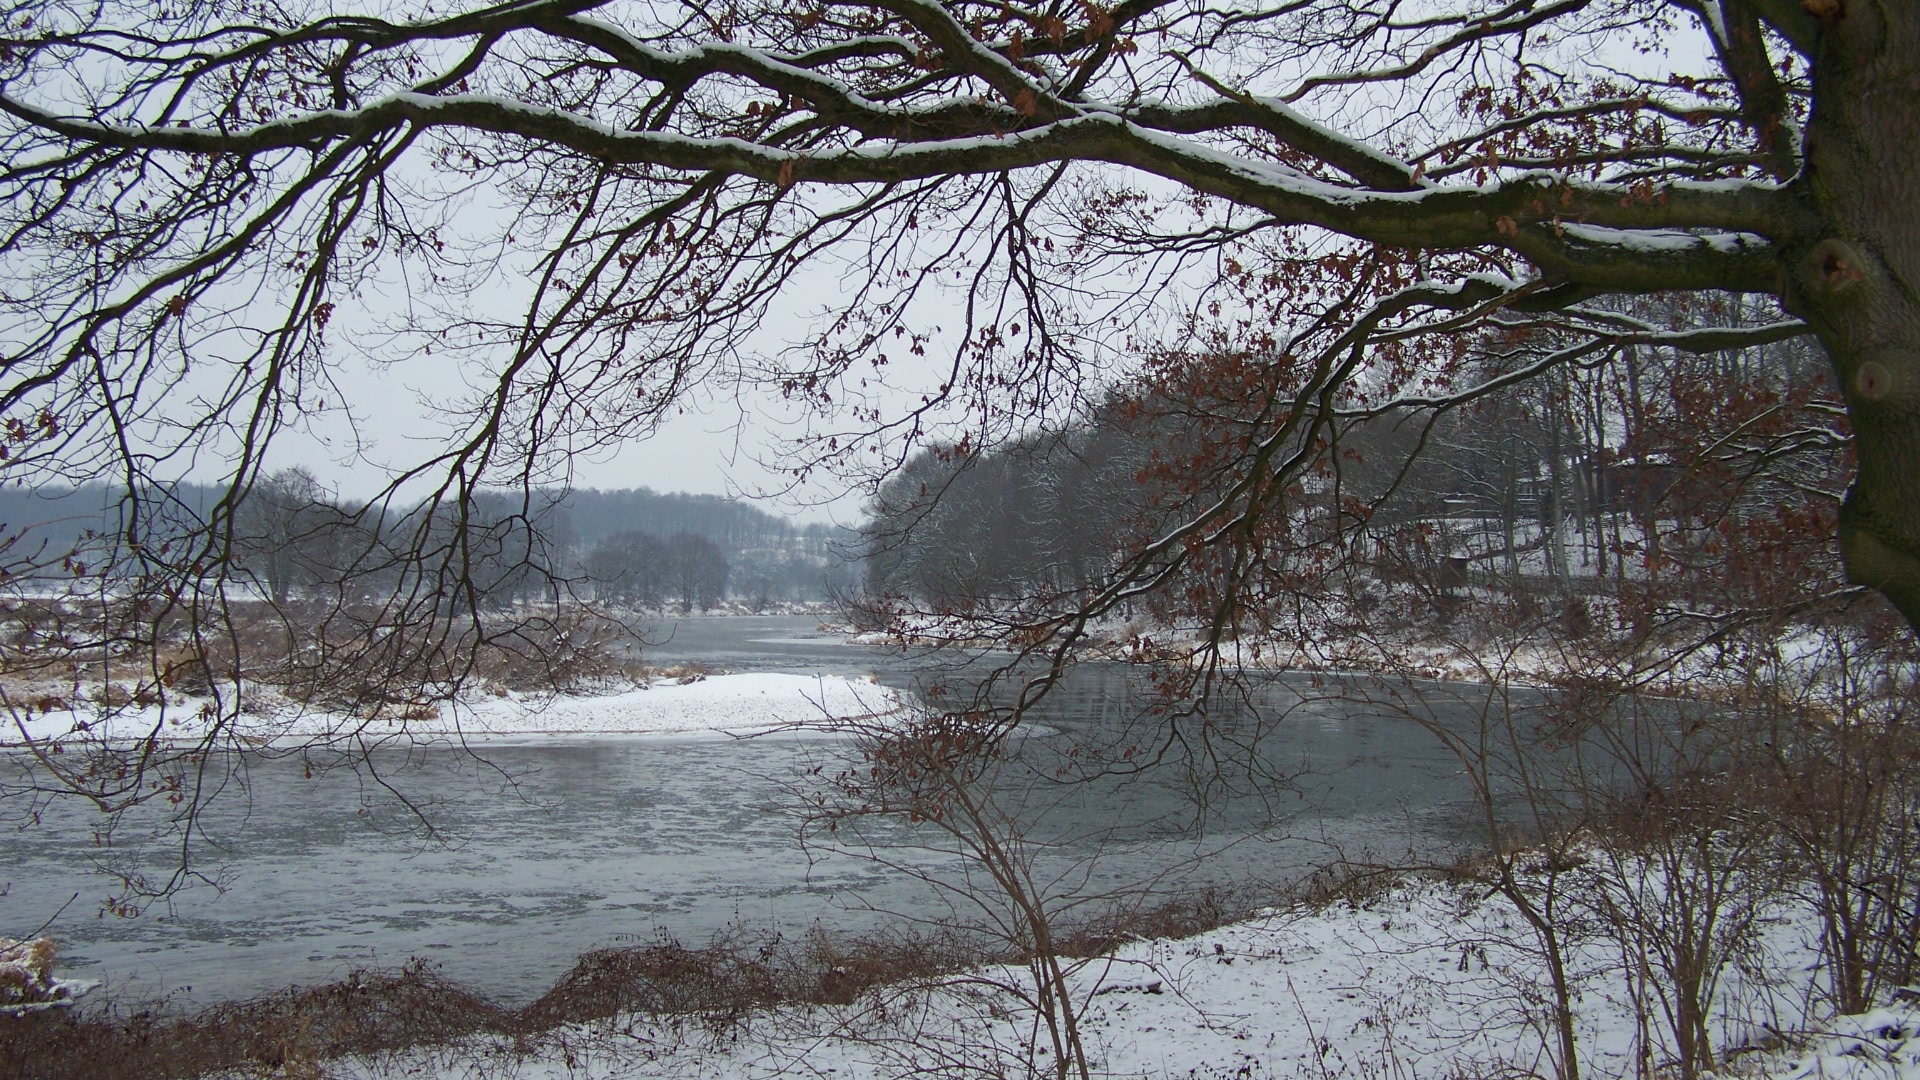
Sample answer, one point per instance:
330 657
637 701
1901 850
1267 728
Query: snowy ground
1693 661
714 706
1427 980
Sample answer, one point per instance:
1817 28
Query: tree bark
1858 285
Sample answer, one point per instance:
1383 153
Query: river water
540 853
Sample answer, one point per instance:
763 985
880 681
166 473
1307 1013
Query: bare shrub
1681 879
1845 791
718 983
1026 904
379 661
841 971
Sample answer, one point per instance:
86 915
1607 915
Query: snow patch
699 706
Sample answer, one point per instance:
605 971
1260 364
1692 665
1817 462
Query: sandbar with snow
715 706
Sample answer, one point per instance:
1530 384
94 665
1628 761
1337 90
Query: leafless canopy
586 207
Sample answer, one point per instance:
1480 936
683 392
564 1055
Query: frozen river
547 851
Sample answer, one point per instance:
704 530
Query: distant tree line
1572 478
1042 516
748 554
296 539
641 569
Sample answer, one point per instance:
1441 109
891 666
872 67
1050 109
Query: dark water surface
547 851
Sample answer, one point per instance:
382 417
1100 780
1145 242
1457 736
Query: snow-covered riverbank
700 706
1429 979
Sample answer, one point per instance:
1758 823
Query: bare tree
291 532
629 566
693 569
170 181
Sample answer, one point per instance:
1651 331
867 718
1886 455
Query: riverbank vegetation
710 993
1391 981
1364 975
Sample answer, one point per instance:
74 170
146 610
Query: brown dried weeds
720 986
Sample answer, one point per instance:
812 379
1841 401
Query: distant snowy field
715 706
1430 980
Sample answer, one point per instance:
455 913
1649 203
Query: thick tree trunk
1859 283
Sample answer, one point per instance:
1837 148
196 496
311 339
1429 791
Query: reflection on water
545 852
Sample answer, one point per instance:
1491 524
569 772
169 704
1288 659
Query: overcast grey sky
727 438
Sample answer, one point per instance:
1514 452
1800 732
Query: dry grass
1183 915
718 986
288 1034
294 1033
362 660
